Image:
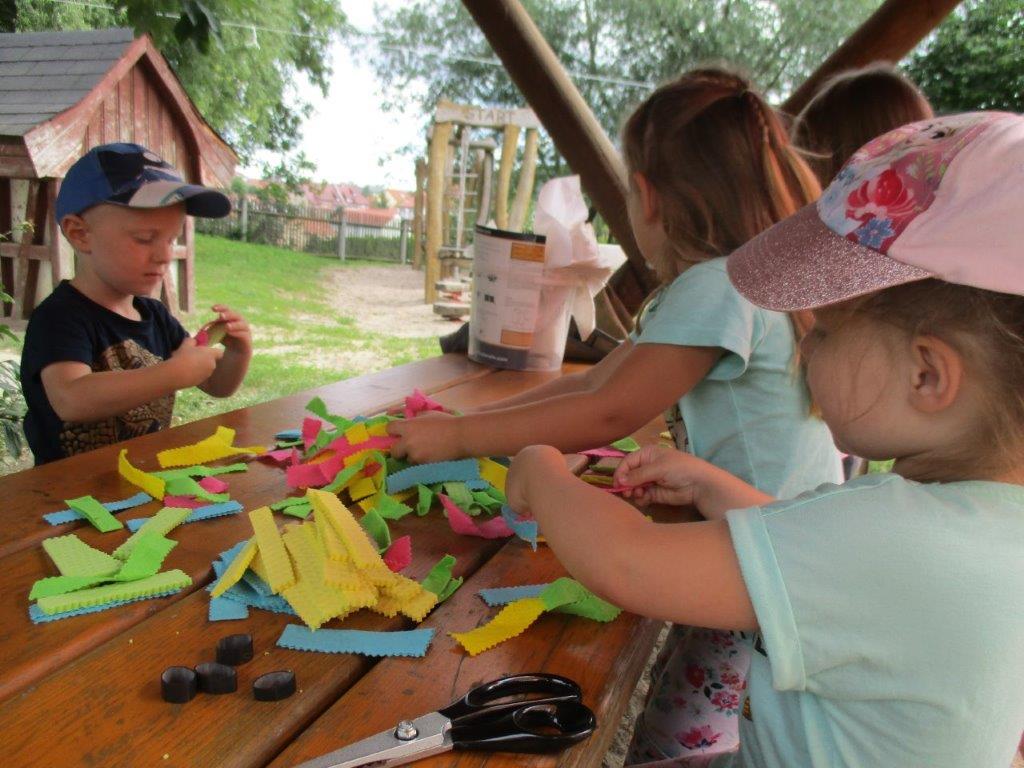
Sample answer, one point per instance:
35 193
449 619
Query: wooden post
889 34
577 134
509 143
417 213
27 271
403 241
52 239
436 161
524 189
342 233
244 217
486 181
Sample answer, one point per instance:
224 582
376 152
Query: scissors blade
385 749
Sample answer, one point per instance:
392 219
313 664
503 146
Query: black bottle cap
234 649
274 686
216 678
178 685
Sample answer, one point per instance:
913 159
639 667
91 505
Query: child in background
710 167
850 110
102 360
887 610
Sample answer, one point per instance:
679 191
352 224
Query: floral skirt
693 707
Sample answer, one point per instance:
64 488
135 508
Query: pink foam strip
495 528
184 502
399 554
621 488
305 475
310 429
376 443
213 485
279 456
417 403
607 452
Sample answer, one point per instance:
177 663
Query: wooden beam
524 189
417 213
509 141
436 162
889 34
577 134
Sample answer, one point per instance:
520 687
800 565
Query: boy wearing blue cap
102 361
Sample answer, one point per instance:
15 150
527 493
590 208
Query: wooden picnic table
85 690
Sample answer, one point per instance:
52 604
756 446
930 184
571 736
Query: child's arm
227 377
77 394
686 573
650 378
591 378
662 475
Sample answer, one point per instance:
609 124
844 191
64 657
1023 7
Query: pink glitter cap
939 199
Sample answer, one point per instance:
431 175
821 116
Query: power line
422 51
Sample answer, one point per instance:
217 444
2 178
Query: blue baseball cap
135 177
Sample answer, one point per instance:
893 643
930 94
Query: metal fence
340 233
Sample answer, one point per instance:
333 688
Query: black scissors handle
485 701
533 727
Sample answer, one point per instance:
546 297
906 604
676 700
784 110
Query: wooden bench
85 690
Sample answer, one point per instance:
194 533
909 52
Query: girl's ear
937 371
649 201
76 230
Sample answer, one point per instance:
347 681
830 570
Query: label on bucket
507 276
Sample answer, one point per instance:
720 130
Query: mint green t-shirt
750 415
891 621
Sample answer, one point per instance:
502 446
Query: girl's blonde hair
987 329
852 108
721 162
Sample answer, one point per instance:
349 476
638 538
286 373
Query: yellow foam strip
216 446
512 620
494 473
418 608
380 429
151 484
275 558
357 434
387 605
363 488
358 545
329 539
313 601
355 458
235 570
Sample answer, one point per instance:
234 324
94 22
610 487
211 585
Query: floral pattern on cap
892 179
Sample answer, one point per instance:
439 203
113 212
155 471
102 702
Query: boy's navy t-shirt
69 327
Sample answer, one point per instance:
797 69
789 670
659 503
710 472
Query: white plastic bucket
517 319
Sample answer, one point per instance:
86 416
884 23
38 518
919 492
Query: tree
975 59
616 49
244 83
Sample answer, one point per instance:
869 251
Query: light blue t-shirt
892 626
750 415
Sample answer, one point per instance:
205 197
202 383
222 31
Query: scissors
519 713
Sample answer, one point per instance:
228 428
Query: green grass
285 297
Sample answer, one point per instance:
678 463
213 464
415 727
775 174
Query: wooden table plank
397 689
29 494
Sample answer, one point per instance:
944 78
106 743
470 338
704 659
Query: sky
347 136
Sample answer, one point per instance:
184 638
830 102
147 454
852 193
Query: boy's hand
432 436
658 474
192 364
238 337
529 465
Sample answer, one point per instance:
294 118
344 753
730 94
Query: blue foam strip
289 434
413 642
524 529
258 585
70 515
38 617
214 510
506 595
437 472
478 485
222 609
196 515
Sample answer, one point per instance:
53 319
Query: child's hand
432 436
238 337
667 476
531 463
192 364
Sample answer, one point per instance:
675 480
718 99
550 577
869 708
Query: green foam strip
162 523
391 508
374 525
627 444
344 476
291 501
73 557
161 582
186 486
567 595
317 407
425 500
440 581
201 471
95 513
301 511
